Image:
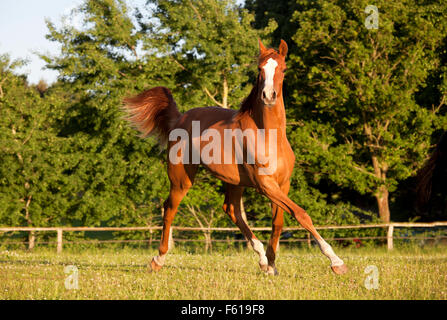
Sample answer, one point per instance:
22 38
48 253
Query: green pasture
404 273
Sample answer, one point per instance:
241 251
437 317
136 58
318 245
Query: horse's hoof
340 269
272 271
264 267
154 267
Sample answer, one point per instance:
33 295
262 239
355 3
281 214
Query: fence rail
390 231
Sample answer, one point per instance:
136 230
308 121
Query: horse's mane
248 103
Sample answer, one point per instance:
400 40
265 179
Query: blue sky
23 30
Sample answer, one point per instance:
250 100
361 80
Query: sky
23 30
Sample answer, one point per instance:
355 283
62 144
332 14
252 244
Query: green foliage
213 45
33 158
214 49
116 176
363 108
354 91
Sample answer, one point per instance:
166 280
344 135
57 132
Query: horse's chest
286 161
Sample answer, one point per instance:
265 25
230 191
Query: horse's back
207 117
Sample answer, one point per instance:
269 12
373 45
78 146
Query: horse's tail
426 174
153 112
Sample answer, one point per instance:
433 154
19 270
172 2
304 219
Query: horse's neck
271 117
264 117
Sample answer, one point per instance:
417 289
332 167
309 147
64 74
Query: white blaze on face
269 70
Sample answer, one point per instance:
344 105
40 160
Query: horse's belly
230 173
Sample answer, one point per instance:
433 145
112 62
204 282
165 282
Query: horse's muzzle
269 97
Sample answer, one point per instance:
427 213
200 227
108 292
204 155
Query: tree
42 87
278 13
213 44
367 130
32 185
116 178
204 209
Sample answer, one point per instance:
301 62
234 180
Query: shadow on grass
141 268
113 267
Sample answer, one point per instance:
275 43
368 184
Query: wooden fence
389 226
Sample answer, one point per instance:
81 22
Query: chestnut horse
154 112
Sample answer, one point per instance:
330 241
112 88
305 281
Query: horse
261 121
431 180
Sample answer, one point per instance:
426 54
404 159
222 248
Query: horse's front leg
270 188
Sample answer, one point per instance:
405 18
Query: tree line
364 108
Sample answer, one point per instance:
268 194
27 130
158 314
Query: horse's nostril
269 96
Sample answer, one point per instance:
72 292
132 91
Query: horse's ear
283 48
261 46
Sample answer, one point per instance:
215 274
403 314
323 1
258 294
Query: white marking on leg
328 252
258 247
160 260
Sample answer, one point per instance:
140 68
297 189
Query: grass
411 273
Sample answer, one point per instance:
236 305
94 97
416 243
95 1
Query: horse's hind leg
181 181
232 206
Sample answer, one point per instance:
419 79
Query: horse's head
271 65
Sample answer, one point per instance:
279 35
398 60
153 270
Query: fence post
389 237
210 241
150 238
207 241
59 240
31 240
